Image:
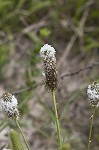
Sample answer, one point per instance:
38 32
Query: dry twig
89 67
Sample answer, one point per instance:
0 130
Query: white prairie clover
93 94
47 52
9 105
93 97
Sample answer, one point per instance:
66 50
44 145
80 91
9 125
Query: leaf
15 140
45 32
91 43
34 37
66 146
39 5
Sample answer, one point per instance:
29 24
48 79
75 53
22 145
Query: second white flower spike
93 94
9 105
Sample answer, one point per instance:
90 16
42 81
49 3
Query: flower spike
93 94
47 52
9 105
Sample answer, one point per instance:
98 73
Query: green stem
57 120
17 123
91 125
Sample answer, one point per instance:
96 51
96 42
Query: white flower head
47 51
9 105
93 94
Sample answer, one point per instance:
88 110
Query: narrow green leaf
15 141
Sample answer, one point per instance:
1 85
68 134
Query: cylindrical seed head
47 52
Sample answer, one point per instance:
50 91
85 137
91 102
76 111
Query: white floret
43 74
47 51
14 101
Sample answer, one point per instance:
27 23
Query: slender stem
91 125
17 123
56 120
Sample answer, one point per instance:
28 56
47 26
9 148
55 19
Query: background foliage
72 27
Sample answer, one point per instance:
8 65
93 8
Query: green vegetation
15 140
72 27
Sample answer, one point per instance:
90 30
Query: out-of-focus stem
91 125
17 123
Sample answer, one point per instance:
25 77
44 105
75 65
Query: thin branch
67 49
77 32
89 67
30 88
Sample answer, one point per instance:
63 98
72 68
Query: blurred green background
72 28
